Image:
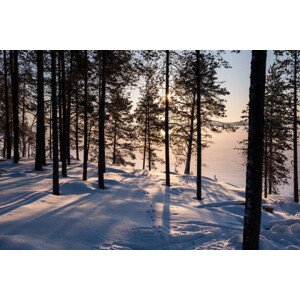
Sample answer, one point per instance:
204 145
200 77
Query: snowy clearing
136 211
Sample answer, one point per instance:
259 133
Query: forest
74 124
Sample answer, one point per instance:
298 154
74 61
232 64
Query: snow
136 211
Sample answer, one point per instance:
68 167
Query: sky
237 81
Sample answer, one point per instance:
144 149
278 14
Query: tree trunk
76 122
252 216
167 96
68 150
7 111
115 143
64 116
148 132
40 156
23 124
295 130
50 133
15 101
85 134
54 125
266 166
199 154
190 141
145 144
60 108
101 160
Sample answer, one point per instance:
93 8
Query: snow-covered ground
136 211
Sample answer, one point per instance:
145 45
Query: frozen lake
225 162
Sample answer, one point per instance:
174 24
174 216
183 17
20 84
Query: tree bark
85 133
7 111
252 216
167 96
115 144
190 141
101 146
15 101
64 116
54 125
77 121
199 154
295 130
40 156
145 144
68 150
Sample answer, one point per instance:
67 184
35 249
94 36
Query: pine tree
63 124
290 63
199 155
167 97
252 215
120 130
54 125
295 126
184 100
40 156
149 118
15 101
85 139
277 130
7 110
101 129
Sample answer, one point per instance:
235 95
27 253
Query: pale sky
237 81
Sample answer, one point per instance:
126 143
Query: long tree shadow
28 199
166 210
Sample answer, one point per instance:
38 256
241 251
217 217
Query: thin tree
252 217
70 83
198 101
54 125
85 133
76 119
7 111
295 129
64 116
15 101
167 97
40 156
101 141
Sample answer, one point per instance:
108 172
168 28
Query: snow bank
136 211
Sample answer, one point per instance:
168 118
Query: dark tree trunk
167 153
15 101
77 122
85 133
40 156
266 166
54 124
145 144
101 160
60 108
50 134
115 144
23 133
190 141
295 130
69 110
7 111
148 133
252 216
149 146
64 116
199 154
